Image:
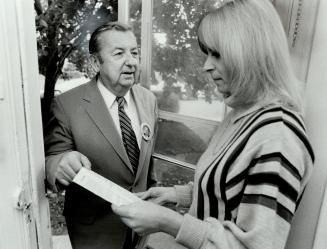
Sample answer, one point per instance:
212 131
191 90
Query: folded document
104 188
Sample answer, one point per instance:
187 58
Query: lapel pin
146 131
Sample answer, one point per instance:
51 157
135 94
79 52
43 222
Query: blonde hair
250 38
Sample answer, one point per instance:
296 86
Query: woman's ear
95 63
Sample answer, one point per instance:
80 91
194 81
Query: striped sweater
248 183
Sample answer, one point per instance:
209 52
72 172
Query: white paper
104 188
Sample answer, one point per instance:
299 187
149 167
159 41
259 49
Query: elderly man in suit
108 126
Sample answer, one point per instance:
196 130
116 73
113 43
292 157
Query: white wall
305 223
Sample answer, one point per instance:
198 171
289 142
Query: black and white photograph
163 124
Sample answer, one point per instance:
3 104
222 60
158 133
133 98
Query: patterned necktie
128 135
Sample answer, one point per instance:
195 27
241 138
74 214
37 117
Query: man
106 125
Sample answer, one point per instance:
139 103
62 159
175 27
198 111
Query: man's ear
95 63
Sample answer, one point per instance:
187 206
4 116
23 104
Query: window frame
299 18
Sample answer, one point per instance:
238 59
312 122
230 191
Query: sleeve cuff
184 194
51 165
192 232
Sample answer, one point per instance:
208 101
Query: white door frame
21 140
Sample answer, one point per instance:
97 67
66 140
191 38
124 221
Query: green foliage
67 23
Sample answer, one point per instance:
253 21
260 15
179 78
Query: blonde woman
249 181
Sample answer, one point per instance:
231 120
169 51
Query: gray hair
94 46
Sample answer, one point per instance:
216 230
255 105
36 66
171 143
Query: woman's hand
146 218
159 195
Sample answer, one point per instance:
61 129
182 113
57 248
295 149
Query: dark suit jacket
82 122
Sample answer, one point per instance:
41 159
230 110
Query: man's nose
131 59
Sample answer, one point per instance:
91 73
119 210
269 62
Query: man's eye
118 53
135 53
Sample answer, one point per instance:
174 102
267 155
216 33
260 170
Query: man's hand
69 165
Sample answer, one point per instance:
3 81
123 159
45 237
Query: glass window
183 138
177 77
169 175
189 103
135 17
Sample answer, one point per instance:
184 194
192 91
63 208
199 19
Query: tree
180 58
62 29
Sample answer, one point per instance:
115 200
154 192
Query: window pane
177 76
183 138
170 174
135 13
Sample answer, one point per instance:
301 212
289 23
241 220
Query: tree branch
38 7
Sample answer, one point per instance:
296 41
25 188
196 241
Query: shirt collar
109 97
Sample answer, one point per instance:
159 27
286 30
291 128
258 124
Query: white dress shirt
129 107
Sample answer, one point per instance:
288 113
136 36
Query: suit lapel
145 119
99 114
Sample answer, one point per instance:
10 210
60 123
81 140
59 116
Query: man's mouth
128 73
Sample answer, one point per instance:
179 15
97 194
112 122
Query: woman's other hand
159 195
146 218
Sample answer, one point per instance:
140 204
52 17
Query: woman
249 181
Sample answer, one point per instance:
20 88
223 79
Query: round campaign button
146 131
